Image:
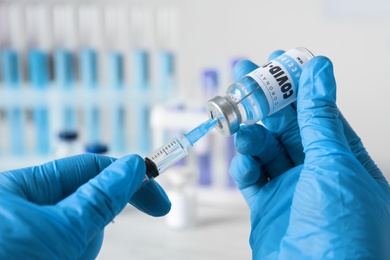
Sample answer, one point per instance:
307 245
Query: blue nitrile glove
58 210
312 188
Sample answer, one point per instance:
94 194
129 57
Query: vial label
279 78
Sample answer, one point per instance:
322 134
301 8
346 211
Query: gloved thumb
88 210
318 116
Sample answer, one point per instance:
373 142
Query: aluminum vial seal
224 109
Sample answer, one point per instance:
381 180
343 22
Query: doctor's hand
312 188
58 210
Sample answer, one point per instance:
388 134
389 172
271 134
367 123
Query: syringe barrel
166 156
173 151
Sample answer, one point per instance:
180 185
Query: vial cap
96 148
68 135
229 118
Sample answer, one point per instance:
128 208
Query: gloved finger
242 68
275 54
335 195
151 199
362 155
51 182
318 116
248 175
283 124
92 250
88 210
256 141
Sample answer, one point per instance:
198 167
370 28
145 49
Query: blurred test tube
116 44
38 34
64 41
11 41
141 29
166 38
90 38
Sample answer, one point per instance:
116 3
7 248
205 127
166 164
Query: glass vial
260 93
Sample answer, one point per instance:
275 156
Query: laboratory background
121 77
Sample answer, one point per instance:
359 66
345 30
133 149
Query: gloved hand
313 190
58 210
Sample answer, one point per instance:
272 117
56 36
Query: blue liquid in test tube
88 63
116 81
89 80
14 114
115 68
65 77
10 68
142 110
64 68
166 70
39 77
166 87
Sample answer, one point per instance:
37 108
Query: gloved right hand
58 210
312 188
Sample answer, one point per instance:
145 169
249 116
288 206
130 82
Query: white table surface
221 232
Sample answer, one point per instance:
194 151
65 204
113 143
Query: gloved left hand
58 210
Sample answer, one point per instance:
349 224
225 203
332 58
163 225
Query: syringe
176 149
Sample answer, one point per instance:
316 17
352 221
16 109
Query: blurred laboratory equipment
39 47
116 44
166 42
90 58
102 78
67 144
141 27
101 149
11 46
64 52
